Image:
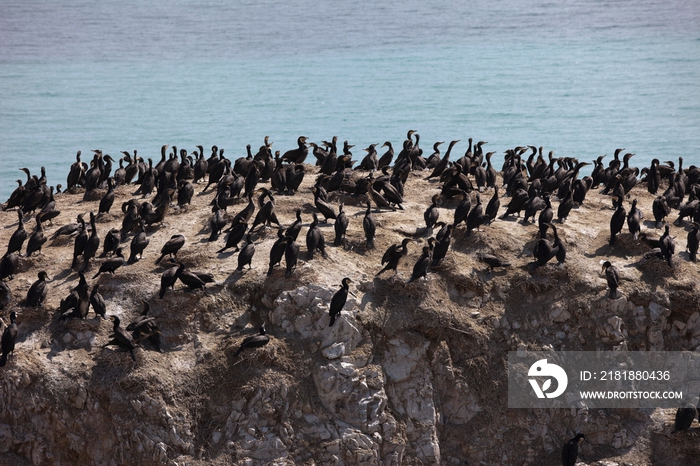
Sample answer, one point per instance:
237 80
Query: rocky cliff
411 373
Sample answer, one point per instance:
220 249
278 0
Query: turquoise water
580 78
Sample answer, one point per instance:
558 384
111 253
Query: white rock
334 351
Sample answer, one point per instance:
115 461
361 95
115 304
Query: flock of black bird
529 181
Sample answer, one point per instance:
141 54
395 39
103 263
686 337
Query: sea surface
579 77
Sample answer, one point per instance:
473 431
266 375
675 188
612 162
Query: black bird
277 250
171 247
111 243
369 226
121 338
612 275
667 245
493 206
37 240
492 261
634 220
394 255
217 221
145 327
9 337
544 250
432 213
111 264
617 221
558 245
245 257
5 294
18 237
254 341
138 244
462 209
169 278
570 452
338 300
80 241
108 199
565 206
442 246
235 236
694 241
291 255
661 209
98 302
684 418
516 204
314 238
92 244
191 280
8 265
546 216
295 227
323 206
340 226
38 291
420 269
476 217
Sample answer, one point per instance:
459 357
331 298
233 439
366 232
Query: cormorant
291 255
694 241
492 261
338 300
617 221
37 240
386 159
369 226
420 269
516 204
612 275
80 241
667 245
661 209
462 209
393 255
245 257
340 226
432 213
476 217
171 247
277 250
570 452
192 280
544 250
254 341
370 162
545 218
98 302
5 294
145 327
217 222
108 199
138 244
111 243
565 206
9 337
299 154
121 338
111 264
38 291
18 237
295 227
235 236
8 265
442 246
684 418
634 220
493 206
92 244
168 279
323 206
314 238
